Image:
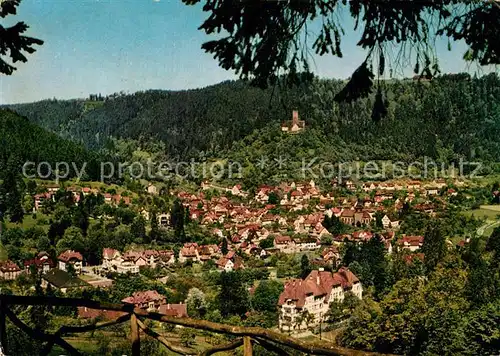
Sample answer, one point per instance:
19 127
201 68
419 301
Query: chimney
321 269
317 279
295 117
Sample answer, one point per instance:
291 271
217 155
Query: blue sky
106 46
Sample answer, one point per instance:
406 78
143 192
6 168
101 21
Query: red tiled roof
347 213
88 313
412 240
38 262
345 277
175 310
280 240
9 266
69 255
143 297
108 253
317 283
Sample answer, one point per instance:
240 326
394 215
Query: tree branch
269 346
313 348
225 347
39 335
177 349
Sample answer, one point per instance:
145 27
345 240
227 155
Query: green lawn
489 230
29 222
3 253
488 212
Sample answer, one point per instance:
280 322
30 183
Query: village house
163 219
230 262
90 313
116 199
331 255
347 217
319 231
313 295
432 190
41 199
113 261
175 310
151 189
285 244
166 257
150 300
70 257
9 270
413 185
42 263
388 223
135 258
307 244
207 252
362 217
350 185
362 236
189 253
411 243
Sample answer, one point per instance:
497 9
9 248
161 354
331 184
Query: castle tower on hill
295 125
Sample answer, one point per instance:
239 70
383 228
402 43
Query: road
480 231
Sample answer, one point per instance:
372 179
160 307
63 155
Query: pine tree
11 191
434 246
224 248
177 216
305 266
154 233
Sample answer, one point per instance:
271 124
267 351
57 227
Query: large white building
314 296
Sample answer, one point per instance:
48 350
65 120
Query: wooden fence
244 336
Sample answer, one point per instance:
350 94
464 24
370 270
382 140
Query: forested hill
452 116
187 121
22 141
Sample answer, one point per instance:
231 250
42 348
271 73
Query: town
251 178
237 232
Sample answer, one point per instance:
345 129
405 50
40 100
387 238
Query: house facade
150 300
9 270
70 257
305 303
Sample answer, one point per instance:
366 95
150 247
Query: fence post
134 331
247 346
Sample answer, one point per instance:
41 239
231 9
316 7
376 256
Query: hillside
452 117
192 120
24 141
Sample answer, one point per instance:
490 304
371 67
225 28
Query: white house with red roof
230 262
114 261
189 252
9 270
313 295
70 257
42 262
150 300
411 243
285 244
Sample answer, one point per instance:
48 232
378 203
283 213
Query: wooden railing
245 336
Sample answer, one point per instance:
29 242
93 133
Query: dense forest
447 118
22 141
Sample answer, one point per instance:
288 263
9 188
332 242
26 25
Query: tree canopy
262 40
13 44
